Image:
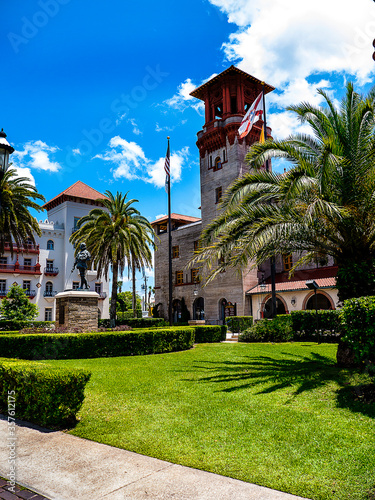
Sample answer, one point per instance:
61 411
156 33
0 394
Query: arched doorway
176 310
198 308
323 302
267 308
222 304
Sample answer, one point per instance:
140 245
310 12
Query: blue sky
90 91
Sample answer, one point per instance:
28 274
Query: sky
90 91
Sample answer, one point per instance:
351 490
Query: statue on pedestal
82 259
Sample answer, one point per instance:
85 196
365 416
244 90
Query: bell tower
222 153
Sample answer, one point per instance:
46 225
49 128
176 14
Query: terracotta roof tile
177 217
78 190
289 286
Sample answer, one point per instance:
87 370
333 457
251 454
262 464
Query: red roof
187 219
325 277
291 286
77 192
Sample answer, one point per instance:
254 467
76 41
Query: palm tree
323 206
113 234
17 225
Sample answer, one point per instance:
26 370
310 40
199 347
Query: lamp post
5 150
313 285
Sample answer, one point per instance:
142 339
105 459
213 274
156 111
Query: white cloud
156 173
36 154
128 158
130 162
24 172
281 40
76 151
136 129
183 99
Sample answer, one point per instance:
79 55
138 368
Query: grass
278 415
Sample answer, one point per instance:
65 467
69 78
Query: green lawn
279 415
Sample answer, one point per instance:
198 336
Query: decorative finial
168 137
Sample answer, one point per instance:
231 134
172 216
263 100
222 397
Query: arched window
217 165
49 289
50 245
267 308
322 302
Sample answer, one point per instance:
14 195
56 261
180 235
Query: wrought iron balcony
51 271
30 248
3 293
16 268
49 293
30 293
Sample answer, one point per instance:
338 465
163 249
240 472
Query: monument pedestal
77 309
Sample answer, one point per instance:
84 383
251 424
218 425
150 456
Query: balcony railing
16 268
31 248
49 293
3 293
30 293
51 271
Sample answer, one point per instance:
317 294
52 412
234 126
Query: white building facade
44 269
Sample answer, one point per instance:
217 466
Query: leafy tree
125 301
17 225
16 305
115 235
323 206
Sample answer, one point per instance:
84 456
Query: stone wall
77 309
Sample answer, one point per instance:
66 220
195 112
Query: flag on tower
167 168
254 113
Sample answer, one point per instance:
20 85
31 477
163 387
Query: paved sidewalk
65 467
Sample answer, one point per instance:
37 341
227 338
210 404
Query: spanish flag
254 113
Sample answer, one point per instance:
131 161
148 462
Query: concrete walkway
65 467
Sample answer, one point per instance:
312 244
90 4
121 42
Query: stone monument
78 308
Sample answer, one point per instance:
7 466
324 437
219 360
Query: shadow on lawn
303 373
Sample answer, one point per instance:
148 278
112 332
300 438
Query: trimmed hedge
239 323
304 323
210 333
42 394
17 325
135 322
358 324
278 329
95 345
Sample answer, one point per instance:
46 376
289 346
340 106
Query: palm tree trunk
134 299
112 313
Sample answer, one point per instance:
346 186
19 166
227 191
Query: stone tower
222 153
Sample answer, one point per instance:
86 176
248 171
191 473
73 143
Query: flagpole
169 244
273 266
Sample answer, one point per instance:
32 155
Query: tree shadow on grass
298 372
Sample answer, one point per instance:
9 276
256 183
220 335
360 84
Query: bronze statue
81 262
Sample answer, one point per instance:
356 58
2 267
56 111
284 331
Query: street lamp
313 285
5 150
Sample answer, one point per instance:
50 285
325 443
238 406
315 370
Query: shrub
16 305
210 333
358 324
239 323
95 345
304 323
278 329
8 324
43 394
135 322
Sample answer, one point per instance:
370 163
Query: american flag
167 168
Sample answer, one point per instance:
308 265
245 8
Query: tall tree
323 206
112 235
17 225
